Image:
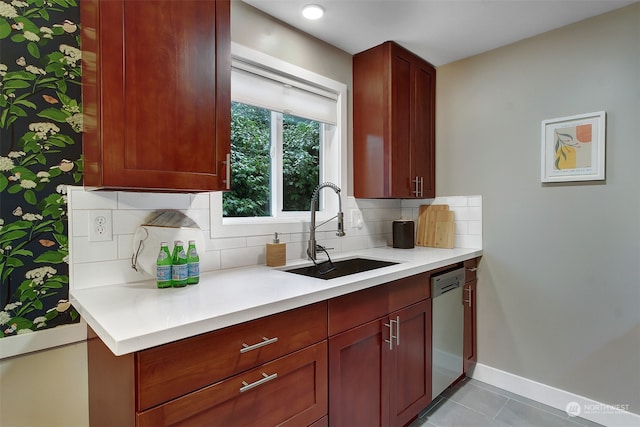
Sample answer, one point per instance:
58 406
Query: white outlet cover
100 225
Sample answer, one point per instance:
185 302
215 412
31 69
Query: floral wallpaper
40 153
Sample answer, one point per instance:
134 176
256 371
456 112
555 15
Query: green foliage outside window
251 162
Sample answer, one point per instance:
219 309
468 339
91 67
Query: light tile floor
476 404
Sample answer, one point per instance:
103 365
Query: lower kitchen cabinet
290 391
360 359
469 301
410 368
269 371
380 371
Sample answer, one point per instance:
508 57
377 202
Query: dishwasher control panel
445 282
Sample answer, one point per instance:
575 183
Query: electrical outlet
100 226
356 219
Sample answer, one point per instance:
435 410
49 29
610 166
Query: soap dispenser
276 253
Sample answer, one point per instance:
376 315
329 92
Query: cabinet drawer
357 308
290 391
178 368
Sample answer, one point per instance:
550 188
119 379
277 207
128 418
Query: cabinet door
290 391
393 124
358 390
423 137
156 77
410 364
401 119
469 342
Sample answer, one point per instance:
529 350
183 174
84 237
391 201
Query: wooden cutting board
444 230
435 226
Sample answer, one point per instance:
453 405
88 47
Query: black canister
403 234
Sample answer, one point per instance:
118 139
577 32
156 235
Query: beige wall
45 388
559 282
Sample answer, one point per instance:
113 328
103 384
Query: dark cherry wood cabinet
393 124
289 391
380 355
469 300
360 359
269 371
156 94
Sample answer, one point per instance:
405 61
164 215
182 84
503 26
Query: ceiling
440 31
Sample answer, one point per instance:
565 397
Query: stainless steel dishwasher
448 329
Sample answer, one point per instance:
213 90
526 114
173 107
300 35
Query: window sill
41 340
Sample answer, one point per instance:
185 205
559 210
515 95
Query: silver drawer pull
266 378
265 341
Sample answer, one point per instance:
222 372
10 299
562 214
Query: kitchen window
275 162
288 135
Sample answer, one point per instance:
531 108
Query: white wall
559 290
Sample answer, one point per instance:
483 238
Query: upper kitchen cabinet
393 124
156 94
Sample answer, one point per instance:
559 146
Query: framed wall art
573 148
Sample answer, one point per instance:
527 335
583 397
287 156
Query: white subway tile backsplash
227 243
128 221
85 251
461 227
125 246
89 275
468 241
93 199
79 223
475 228
200 217
451 201
152 201
209 260
105 263
474 201
243 257
199 201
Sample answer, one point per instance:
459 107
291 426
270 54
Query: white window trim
335 156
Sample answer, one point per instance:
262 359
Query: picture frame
573 148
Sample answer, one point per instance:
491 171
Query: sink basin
342 268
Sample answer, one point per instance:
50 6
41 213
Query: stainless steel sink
340 268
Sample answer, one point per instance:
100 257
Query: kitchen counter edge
136 316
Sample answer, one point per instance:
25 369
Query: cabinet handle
421 186
227 162
472 268
391 336
416 186
265 378
265 341
469 294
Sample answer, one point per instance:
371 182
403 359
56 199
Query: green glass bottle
193 264
163 266
179 272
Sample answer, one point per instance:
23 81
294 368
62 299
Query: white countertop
135 316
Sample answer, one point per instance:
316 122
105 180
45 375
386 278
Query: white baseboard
615 415
41 340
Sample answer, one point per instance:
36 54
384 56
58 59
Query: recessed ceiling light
312 11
